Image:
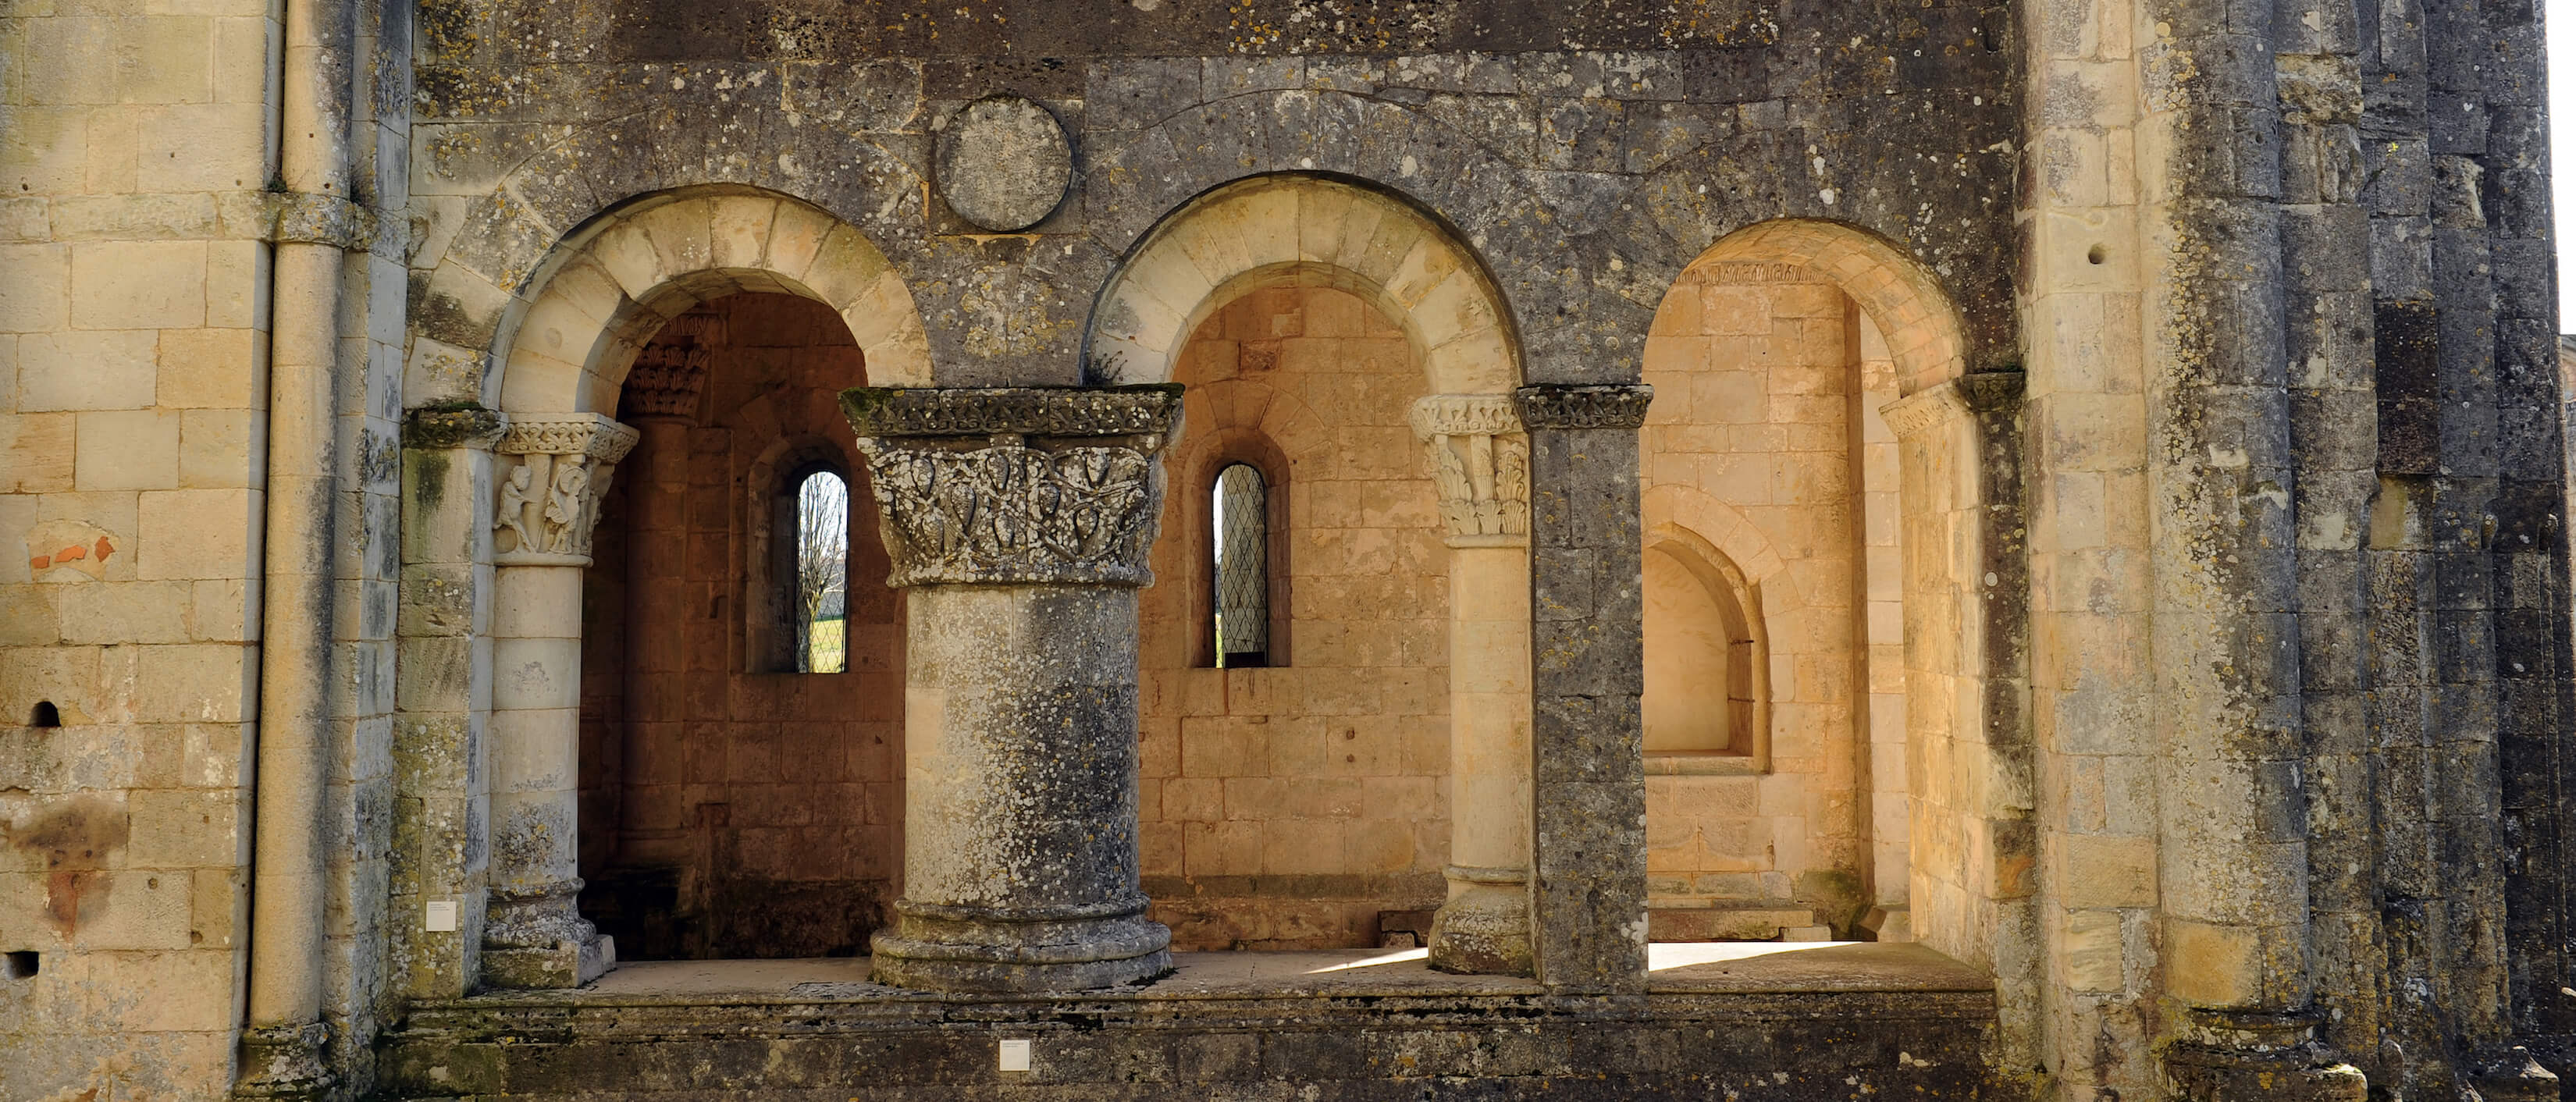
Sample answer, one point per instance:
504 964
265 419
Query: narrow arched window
817 605
1241 539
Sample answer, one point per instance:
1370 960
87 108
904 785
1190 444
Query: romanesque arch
1813 378
567 344
1304 230
1902 298
1359 341
522 490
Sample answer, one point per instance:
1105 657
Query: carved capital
1987 392
1016 486
547 484
1611 406
1480 463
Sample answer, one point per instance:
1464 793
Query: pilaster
1587 650
443 701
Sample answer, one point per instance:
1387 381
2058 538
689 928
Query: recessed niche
19 965
45 715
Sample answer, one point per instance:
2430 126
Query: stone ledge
1775 1024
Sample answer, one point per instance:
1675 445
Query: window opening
1242 543
20 965
819 605
45 715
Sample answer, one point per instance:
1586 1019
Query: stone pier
1020 519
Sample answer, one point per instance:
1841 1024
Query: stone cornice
1588 406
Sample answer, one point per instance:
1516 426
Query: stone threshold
1765 1021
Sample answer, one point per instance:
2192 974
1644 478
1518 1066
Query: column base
286 1061
538 941
1015 950
2512 1075
2256 1056
1484 928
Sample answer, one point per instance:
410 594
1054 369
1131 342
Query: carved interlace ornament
549 475
672 368
1612 406
1021 485
1480 463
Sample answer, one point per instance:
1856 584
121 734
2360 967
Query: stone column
1587 670
443 697
1480 463
1020 518
547 487
2232 863
660 398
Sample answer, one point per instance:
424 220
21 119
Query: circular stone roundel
1003 163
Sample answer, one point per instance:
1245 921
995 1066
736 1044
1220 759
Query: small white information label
1015 1055
442 916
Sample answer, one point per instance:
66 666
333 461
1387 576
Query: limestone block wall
1751 454
786 787
139 149
1284 807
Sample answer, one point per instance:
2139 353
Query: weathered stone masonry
2127 436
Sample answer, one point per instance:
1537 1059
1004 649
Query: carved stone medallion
1004 163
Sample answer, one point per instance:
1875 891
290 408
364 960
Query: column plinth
1020 519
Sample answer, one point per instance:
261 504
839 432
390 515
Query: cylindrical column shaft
1484 926
535 935
1020 866
545 506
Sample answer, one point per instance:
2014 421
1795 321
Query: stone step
1726 921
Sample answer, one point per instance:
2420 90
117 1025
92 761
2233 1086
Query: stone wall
1284 807
144 213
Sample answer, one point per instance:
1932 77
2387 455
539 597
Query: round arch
1903 298
1298 229
613 283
